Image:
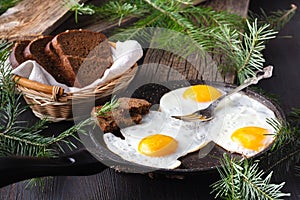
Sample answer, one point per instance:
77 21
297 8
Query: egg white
235 112
173 103
189 135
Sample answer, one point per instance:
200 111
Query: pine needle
244 180
120 10
285 152
79 9
276 19
223 34
208 31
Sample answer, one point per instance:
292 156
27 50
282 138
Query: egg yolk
157 145
201 93
250 137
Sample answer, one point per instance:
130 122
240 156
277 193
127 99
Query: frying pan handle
14 169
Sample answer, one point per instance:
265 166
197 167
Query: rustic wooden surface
31 18
113 185
161 65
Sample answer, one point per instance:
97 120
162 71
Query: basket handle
54 90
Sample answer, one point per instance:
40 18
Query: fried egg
240 122
159 141
188 99
240 125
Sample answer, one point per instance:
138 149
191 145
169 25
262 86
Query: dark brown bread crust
75 58
128 113
84 55
112 122
77 42
35 50
134 105
49 50
17 57
84 70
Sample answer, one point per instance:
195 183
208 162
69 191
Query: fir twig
120 10
243 179
289 132
285 152
207 30
246 55
108 107
277 19
38 182
294 119
65 136
79 9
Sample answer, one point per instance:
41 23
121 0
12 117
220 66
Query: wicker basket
53 103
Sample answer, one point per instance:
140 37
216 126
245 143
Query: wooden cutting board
31 18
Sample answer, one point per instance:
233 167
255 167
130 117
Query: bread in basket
54 102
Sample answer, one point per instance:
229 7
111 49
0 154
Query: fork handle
254 80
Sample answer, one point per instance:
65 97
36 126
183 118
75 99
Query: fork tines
192 117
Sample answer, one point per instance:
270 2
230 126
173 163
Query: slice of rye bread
129 112
17 57
113 122
35 50
134 105
80 43
49 50
83 72
85 52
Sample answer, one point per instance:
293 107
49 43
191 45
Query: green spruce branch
285 152
108 107
251 58
79 9
240 179
218 32
121 10
239 44
237 178
277 19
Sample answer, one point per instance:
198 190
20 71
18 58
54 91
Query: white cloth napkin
125 55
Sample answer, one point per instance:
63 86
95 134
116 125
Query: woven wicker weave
53 103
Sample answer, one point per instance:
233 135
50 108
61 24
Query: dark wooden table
282 53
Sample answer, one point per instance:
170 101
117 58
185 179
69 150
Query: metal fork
208 113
